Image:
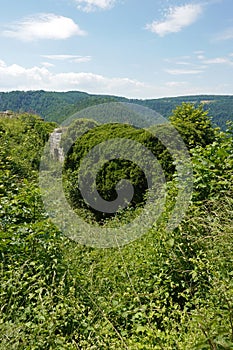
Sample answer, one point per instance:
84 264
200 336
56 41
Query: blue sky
131 48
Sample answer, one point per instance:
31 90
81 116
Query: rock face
55 149
8 114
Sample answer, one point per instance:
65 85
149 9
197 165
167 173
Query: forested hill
220 107
57 106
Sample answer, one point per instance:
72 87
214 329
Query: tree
110 174
194 125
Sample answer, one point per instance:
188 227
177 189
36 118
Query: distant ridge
57 106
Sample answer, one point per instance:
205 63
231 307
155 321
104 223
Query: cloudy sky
132 48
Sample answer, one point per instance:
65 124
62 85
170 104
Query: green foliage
74 131
167 290
213 166
57 106
218 106
22 140
193 124
48 104
115 170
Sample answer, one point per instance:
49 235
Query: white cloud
218 60
43 26
225 35
183 71
93 5
215 60
180 60
173 84
2 64
177 18
16 77
47 64
70 58
183 63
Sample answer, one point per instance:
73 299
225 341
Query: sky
131 48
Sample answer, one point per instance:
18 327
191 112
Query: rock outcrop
55 148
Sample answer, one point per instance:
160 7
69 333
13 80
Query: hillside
57 106
220 107
164 290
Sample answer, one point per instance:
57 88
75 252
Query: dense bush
167 290
115 170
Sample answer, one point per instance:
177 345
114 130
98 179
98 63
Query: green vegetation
218 106
53 106
167 290
57 106
113 171
192 123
